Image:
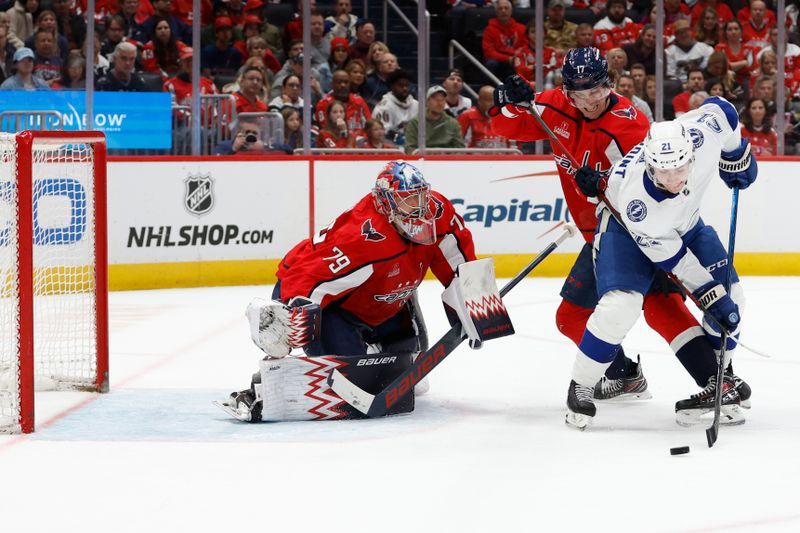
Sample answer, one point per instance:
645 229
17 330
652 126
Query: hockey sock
667 315
698 358
620 367
571 320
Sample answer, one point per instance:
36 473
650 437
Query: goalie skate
633 387
580 407
699 408
242 406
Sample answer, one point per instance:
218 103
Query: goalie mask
403 196
668 155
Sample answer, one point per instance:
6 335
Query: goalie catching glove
473 300
277 328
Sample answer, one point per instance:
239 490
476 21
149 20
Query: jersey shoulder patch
636 210
370 233
628 112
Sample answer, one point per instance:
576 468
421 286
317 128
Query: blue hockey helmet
584 68
402 194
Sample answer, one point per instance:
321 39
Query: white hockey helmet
668 154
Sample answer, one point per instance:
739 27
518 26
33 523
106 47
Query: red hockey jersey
361 262
597 143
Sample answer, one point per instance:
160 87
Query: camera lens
250 138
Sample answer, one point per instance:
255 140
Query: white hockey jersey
394 114
658 220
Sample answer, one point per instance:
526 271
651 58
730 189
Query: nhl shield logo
199 194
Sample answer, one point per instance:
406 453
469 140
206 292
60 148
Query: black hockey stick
375 405
713 431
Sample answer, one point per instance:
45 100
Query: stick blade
349 392
711 435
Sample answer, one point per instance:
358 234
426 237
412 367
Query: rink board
177 222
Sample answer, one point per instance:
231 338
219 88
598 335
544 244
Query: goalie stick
375 405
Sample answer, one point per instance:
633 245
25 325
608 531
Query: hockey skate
242 406
695 409
580 406
741 387
631 387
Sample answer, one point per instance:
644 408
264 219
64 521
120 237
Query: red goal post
53 261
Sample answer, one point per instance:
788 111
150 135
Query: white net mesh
64 306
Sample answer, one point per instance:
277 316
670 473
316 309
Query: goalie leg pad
295 388
473 298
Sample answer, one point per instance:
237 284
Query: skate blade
232 411
578 421
730 415
745 404
627 397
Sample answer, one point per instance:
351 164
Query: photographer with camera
247 140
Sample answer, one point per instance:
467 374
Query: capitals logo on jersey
629 113
370 233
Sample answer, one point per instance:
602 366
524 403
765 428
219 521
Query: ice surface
487 449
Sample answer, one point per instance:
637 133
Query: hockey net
53 303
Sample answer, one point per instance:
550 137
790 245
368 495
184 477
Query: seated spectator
627 88
21 17
376 84
741 56
643 50
365 36
47 61
269 32
650 92
246 141
357 111
180 85
121 75
376 50
293 30
706 29
714 87
163 10
455 103
697 99
766 65
441 130
232 87
674 10
745 13
559 33
476 125
70 25
24 78
291 89
343 23
791 52
397 107
696 82
525 58
334 132
162 54
765 89
375 136
73 74
134 14
757 128
718 69
617 61
101 64
115 34
6 55
685 52
756 26
501 37
250 96
584 36
294 65
723 12
47 20
638 73
340 51
358 76
292 128
221 58
320 41
256 46
615 29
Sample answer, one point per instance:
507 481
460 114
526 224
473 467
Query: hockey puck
680 450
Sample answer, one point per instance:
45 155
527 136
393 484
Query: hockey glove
738 168
590 181
716 301
515 91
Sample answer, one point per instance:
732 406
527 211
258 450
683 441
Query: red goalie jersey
598 143
362 263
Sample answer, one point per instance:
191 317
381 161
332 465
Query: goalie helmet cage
53 269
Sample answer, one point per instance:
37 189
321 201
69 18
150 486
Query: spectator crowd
361 95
